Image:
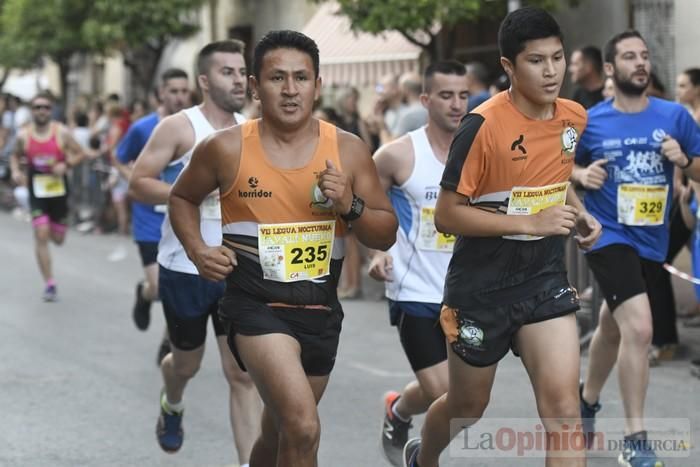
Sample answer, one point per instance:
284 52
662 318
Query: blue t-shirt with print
631 142
146 221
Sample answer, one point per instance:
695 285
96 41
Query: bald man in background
414 115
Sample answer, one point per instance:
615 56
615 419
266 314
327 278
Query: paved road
79 385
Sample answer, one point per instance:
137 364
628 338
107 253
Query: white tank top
171 254
420 254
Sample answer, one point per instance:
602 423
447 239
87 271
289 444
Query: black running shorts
622 274
317 331
421 337
481 336
148 252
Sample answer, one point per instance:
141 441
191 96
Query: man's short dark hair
523 25
285 39
232 46
693 75
46 95
445 67
593 55
173 73
479 71
611 47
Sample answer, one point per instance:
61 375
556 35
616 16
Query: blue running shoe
169 429
50 293
638 453
588 412
410 452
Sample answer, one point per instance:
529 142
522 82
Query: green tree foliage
58 29
140 30
32 29
420 21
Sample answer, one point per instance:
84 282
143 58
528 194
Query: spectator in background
349 118
688 91
608 88
327 114
478 82
413 115
656 87
388 104
500 84
137 109
586 72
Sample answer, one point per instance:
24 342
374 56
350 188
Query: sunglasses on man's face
41 107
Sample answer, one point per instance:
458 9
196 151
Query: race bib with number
211 207
641 204
428 236
48 186
526 201
297 251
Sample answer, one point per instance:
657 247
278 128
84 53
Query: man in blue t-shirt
174 95
625 159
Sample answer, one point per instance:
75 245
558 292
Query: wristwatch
687 164
356 208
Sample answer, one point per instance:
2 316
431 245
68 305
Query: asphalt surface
79 385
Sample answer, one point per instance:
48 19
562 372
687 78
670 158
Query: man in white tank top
188 299
414 269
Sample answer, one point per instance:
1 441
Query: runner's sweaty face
288 87
539 70
227 81
41 111
446 100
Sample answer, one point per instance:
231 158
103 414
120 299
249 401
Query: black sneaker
394 431
588 412
638 453
163 350
142 309
410 452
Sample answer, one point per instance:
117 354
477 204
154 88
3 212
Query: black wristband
690 161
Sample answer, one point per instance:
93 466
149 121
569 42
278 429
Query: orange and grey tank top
289 241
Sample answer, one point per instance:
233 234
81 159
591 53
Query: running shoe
142 309
638 453
588 412
163 350
50 293
394 431
169 429
410 452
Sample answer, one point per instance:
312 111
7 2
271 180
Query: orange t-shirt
497 148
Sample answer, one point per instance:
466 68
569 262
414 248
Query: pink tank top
43 154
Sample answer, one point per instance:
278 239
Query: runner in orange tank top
290 185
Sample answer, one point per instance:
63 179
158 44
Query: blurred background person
478 82
688 91
413 115
386 110
586 72
349 118
500 84
608 88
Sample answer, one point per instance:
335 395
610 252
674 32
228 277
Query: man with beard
174 95
629 151
49 150
188 299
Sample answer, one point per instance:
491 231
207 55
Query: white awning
357 59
